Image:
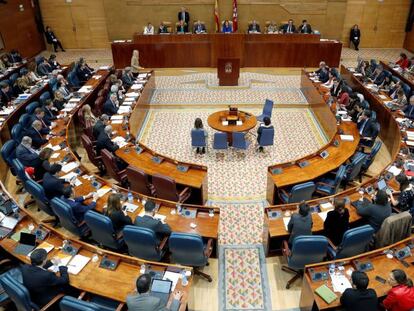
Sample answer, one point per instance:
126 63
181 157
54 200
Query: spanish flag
216 16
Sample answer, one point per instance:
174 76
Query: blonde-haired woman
135 63
88 116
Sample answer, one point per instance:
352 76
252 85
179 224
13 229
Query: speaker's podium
228 71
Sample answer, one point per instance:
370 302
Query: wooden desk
12 70
382 267
253 50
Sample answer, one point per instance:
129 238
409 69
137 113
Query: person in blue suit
77 204
227 27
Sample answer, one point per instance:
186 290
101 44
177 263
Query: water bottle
184 280
130 197
178 206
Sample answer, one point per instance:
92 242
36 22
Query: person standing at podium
227 28
184 16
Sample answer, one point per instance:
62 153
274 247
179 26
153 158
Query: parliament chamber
178 156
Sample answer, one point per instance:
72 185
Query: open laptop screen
161 286
27 238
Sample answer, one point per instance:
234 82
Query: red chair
112 169
98 105
138 181
92 156
166 189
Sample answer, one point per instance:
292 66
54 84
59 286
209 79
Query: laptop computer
27 243
161 289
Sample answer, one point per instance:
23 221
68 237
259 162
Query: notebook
326 293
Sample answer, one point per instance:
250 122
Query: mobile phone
380 279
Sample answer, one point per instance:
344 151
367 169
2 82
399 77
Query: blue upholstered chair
66 218
30 108
353 169
305 250
298 193
330 186
25 120
8 153
13 79
53 84
371 156
220 141
19 294
19 168
95 303
198 139
189 249
407 90
103 231
239 141
267 137
73 80
45 96
354 242
38 194
17 133
143 243
267 110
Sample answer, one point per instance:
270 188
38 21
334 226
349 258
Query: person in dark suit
83 73
199 27
52 39
143 301
182 27
253 27
34 132
148 221
6 94
77 205
300 223
355 36
43 285
162 28
50 111
54 186
368 129
99 126
46 166
265 124
127 77
409 109
336 222
26 154
305 27
111 105
359 297
104 141
184 16
114 211
323 72
39 115
375 213
289 27
44 68
53 62
15 57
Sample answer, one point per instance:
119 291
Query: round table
215 121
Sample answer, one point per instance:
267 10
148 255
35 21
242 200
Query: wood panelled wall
19 29
409 41
93 23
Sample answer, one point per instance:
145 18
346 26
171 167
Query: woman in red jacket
403 61
401 295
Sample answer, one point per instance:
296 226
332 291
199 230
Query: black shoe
357 49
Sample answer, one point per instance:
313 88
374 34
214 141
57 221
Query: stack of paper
102 191
323 215
326 206
340 283
130 208
70 166
124 109
77 264
104 67
132 94
347 137
173 277
137 86
394 170
117 117
44 245
286 222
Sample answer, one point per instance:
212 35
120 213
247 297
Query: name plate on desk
273 214
189 213
324 154
303 164
403 253
138 149
183 168
317 276
276 171
157 159
363 266
108 264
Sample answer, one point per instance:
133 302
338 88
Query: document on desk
394 170
102 191
117 117
323 215
340 283
70 166
137 86
130 208
347 137
173 277
286 222
9 222
44 245
383 96
326 206
132 94
116 121
77 264
160 217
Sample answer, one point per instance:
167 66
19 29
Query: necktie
362 127
289 29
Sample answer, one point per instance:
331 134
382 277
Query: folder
326 293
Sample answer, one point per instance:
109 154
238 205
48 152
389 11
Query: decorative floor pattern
233 175
243 282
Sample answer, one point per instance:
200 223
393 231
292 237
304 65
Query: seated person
32 73
15 57
401 295
386 84
62 86
54 186
405 195
305 27
53 62
99 126
111 105
335 90
22 84
289 27
368 129
39 114
409 109
148 221
393 92
198 125
114 211
50 111
254 27
44 285
46 166
149 29
272 28
163 28
336 222
377 211
143 301
6 61
59 101
128 77
26 154
83 73
182 27
401 100
35 133
44 67
265 124
402 61
378 76
300 223
329 83
323 72
199 27
359 297
6 94
227 27
104 141
77 205
88 116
